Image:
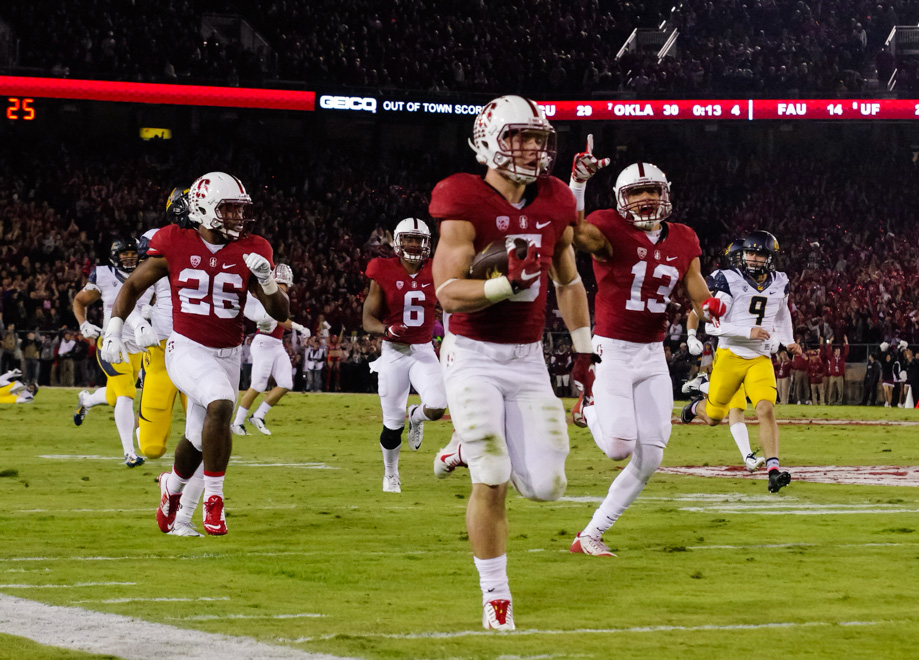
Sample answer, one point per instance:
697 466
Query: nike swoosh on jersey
227 265
540 225
670 258
424 285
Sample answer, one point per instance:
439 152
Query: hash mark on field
595 631
127 637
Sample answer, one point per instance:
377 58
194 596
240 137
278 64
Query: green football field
320 563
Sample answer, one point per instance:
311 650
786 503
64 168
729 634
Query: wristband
559 285
691 332
115 326
269 286
580 340
498 289
442 286
578 188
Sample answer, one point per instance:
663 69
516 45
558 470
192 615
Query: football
492 260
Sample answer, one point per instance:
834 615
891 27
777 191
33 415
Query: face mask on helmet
284 274
733 254
759 250
412 240
218 201
643 195
177 208
513 136
123 254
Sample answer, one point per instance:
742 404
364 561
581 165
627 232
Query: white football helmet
208 197
283 274
644 214
417 229
493 139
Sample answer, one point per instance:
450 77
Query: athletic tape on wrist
498 289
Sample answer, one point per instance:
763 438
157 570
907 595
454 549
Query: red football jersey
209 289
635 286
521 318
407 298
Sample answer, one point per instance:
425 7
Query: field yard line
796 545
67 586
113 601
221 617
790 511
130 638
280 507
596 631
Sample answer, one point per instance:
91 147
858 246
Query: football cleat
415 430
239 429
169 505
687 415
259 423
754 462
694 386
184 529
778 480
447 460
577 412
133 461
590 545
215 520
80 413
391 483
498 615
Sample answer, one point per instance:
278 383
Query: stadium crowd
724 46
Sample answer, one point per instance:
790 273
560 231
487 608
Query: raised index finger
590 143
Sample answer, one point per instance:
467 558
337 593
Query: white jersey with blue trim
750 304
107 280
161 320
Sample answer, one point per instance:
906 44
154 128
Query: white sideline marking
67 586
130 638
220 617
595 631
113 601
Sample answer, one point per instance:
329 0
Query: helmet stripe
242 191
641 169
533 107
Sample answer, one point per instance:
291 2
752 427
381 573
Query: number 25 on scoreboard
17 108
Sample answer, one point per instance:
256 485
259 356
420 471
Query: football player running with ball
400 306
212 269
639 258
756 321
508 420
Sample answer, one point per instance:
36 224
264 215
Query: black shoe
688 415
778 480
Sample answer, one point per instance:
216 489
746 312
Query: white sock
741 438
175 483
97 398
262 411
625 488
213 485
419 416
241 414
124 422
190 496
493 578
391 460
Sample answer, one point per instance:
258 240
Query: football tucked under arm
491 262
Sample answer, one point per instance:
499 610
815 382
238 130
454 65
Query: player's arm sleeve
784 331
254 310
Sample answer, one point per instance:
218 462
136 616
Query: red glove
523 273
394 331
585 164
714 310
581 374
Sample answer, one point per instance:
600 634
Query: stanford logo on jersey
642 253
195 261
657 255
503 222
400 284
414 284
523 222
213 262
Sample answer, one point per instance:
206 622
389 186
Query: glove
580 372
903 345
144 336
89 330
113 349
394 331
13 374
523 273
695 346
714 309
267 325
146 311
884 346
302 329
259 266
585 164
